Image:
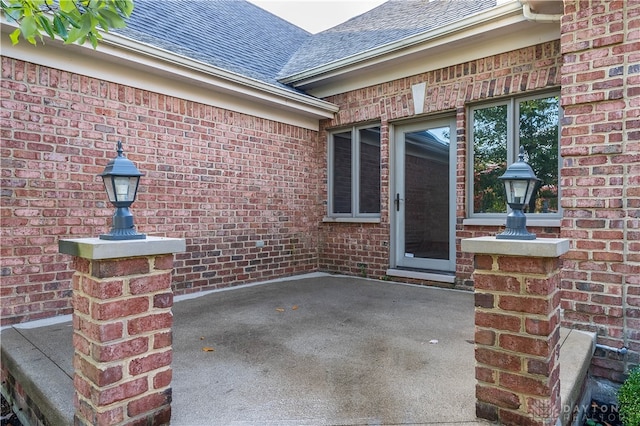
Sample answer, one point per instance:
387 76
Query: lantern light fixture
519 183
121 179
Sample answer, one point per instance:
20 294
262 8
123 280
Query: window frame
513 143
355 174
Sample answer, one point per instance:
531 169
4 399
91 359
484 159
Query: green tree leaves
74 21
534 125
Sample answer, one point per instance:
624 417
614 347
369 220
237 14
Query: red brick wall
122 340
220 179
346 247
517 319
600 146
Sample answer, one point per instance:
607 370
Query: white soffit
124 61
483 36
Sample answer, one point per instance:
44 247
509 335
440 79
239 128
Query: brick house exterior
600 147
508 73
220 179
248 192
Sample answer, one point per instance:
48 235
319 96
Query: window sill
543 223
328 219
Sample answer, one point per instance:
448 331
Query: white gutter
538 17
143 49
121 50
496 13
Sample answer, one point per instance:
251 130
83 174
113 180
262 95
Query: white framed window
354 172
496 132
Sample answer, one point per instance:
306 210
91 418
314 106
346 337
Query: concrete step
576 349
39 389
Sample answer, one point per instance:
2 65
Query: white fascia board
477 36
124 61
482 45
406 45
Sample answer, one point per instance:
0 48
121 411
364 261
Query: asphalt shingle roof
392 21
234 35
238 36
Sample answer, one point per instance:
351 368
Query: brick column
517 321
122 321
601 176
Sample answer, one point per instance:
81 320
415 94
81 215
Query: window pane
342 172
489 159
539 137
370 170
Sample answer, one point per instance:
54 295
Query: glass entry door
424 203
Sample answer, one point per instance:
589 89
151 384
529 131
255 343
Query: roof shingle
238 36
234 35
390 22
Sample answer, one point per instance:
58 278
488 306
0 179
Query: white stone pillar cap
97 249
540 247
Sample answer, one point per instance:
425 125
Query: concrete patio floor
315 350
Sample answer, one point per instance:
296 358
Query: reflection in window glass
489 159
354 172
370 170
342 172
497 139
539 137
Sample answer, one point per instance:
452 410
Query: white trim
406 43
418 90
527 11
494 31
124 61
429 276
329 219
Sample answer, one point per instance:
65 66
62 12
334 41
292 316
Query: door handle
397 201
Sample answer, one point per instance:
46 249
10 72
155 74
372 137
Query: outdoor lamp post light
121 178
519 184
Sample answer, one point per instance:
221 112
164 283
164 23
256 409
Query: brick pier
517 329
122 322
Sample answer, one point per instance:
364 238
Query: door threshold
438 276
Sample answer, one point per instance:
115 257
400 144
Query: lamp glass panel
108 186
121 184
133 187
516 191
121 189
531 185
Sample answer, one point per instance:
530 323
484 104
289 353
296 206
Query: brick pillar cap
97 249
540 247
